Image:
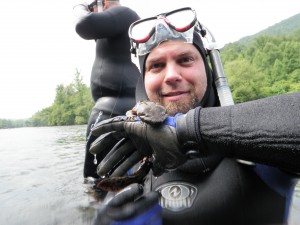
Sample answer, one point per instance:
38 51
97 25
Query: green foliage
243 84
72 106
6 123
266 66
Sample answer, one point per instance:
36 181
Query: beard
181 106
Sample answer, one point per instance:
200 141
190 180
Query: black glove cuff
188 132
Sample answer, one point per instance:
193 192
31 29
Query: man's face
175 76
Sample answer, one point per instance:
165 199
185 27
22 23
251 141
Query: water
41 181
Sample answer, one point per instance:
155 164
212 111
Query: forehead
174 48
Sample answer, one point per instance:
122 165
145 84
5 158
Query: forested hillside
72 106
284 27
266 66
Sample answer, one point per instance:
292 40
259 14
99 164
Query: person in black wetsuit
197 167
114 75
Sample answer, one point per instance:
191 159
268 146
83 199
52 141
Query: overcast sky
39 48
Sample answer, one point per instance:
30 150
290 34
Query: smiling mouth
173 94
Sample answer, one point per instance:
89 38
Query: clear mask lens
181 19
141 30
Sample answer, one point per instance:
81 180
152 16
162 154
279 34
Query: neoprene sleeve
187 130
264 131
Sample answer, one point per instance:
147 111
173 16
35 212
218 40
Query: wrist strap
188 132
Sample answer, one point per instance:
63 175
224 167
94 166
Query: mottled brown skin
148 112
115 184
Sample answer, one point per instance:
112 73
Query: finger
128 194
133 209
117 155
105 141
132 160
109 125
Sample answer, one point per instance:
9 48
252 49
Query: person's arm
105 24
80 11
265 131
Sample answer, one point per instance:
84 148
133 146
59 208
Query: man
114 75
194 155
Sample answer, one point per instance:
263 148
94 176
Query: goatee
179 106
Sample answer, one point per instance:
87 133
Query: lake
41 181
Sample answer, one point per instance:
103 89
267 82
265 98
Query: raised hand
140 133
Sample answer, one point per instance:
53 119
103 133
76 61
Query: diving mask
146 34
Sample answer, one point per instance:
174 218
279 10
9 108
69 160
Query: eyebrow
182 53
153 60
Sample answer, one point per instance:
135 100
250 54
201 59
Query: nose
172 74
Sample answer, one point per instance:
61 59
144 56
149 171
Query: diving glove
152 133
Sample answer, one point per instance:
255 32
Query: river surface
41 180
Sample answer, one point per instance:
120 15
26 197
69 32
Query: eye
155 66
186 60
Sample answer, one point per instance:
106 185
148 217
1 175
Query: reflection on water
41 179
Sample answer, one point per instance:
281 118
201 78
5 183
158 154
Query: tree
244 80
266 66
72 105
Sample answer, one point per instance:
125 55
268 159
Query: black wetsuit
232 192
217 189
114 76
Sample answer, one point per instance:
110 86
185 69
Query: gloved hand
129 207
144 127
122 157
120 154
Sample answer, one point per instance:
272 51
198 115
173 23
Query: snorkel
223 89
100 4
